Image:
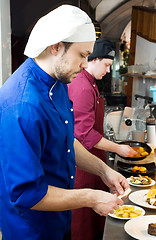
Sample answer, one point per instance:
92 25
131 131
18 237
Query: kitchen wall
145 54
5 41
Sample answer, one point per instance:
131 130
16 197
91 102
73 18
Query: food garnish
152 193
150 197
140 180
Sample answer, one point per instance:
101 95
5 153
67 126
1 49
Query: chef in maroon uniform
89 115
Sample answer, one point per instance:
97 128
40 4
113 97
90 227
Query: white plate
137 197
136 208
138 185
137 227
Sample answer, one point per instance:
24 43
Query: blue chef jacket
36 150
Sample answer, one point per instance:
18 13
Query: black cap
102 49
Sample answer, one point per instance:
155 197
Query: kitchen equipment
153 89
127 168
151 126
124 129
111 124
125 165
138 136
147 99
138 144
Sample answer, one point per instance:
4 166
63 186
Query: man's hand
104 202
125 151
115 181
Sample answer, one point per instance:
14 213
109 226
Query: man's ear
94 60
55 48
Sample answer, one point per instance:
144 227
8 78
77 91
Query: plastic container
153 89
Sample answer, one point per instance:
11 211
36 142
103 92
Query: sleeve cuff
91 139
30 197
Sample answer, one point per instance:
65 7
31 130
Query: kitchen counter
114 228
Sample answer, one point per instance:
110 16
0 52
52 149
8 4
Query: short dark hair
100 59
67 45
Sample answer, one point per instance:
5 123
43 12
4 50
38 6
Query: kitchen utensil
146 147
127 168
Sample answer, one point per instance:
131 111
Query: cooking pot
146 147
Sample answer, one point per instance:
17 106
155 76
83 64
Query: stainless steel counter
114 228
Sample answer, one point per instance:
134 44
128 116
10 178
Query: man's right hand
104 202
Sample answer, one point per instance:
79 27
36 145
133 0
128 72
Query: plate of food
141 181
127 212
142 228
145 198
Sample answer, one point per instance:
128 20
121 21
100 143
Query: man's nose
108 70
84 64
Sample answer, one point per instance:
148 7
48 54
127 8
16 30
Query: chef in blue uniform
38 151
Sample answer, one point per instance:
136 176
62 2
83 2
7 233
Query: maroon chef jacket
89 116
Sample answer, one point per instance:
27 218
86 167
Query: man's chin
73 76
100 78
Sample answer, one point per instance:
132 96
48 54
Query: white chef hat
66 23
